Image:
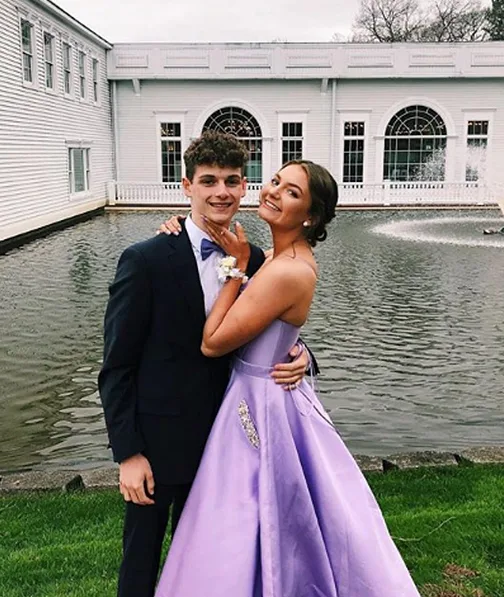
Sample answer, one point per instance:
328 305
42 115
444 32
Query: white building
396 124
56 149
402 123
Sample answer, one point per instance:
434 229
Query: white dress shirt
207 269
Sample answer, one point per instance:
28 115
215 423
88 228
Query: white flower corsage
227 270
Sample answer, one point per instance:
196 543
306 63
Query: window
95 80
67 68
477 142
171 151
292 141
49 60
78 169
353 151
415 143
82 74
27 49
243 125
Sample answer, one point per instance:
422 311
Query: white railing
417 193
351 194
163 194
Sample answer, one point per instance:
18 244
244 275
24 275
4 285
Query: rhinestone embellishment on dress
248 424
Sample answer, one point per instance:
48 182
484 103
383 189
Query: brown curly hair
215 148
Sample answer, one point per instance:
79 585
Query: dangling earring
306 224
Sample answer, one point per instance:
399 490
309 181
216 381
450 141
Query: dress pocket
248 424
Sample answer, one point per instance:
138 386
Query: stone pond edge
107 478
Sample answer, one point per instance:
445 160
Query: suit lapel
186 276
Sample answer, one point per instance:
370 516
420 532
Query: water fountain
462 229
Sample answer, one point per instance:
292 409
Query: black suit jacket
160 394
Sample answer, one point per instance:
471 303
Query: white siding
454 97
36 126
138 116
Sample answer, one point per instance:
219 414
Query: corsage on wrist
227 270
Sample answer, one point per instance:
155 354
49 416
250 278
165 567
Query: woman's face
285 201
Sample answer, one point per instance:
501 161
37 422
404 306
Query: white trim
353 116
87 163
451 133
76 25
95 100
29 18
177 117
54 89
289 116
226 103
53 217
65 41
332 129
82 77
78 144
486 115
256 113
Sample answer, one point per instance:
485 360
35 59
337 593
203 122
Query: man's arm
126 323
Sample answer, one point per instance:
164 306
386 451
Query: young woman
279 507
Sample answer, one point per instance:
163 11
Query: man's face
215 193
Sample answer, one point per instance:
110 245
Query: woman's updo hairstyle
324 198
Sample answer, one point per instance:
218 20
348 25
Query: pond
407 326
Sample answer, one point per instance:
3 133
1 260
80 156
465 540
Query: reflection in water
83 261
409 335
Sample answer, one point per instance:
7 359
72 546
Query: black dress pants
144 531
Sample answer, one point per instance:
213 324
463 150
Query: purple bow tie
208 247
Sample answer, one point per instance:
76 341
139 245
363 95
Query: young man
159 393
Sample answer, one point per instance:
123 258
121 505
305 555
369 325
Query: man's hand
290 375
134 474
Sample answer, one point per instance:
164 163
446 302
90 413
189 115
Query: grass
448 524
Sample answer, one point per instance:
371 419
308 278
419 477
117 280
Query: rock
41 481
101 478
419 459
75 484
482 455
369 464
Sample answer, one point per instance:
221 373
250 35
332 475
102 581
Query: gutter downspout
115 132
332 140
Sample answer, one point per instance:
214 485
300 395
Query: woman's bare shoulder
291 270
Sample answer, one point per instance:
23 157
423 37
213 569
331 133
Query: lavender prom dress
279 507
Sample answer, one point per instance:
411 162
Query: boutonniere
227 270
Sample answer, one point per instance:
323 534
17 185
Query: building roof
67 18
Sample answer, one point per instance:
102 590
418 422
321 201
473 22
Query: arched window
243 125
415 143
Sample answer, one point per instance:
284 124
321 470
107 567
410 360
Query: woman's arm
275 290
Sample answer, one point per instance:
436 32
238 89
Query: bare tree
404 20
338 38
388 21
455 20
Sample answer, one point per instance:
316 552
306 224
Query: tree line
388 21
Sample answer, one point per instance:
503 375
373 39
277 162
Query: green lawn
448 523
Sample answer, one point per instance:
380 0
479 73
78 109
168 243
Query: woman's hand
235 244
171 226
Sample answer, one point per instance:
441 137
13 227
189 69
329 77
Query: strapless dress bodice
272 346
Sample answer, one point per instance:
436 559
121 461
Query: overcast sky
214 20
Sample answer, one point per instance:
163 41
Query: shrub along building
86 122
